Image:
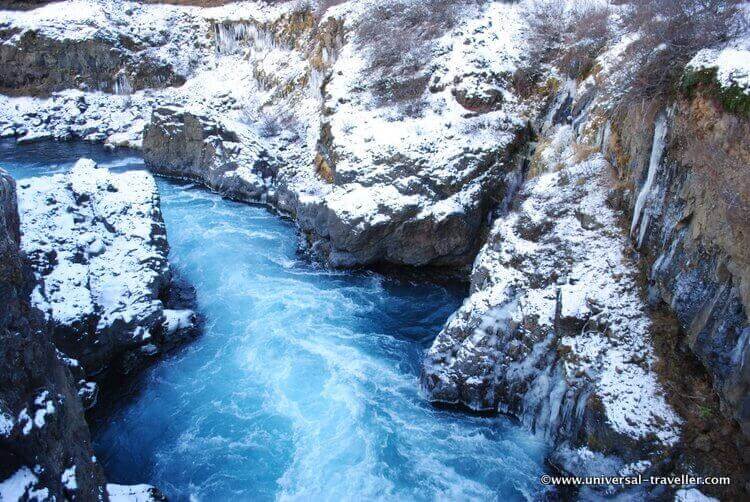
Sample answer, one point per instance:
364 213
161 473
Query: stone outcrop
45 447
188 145
38 58
555 332
690 207
98 247
413 188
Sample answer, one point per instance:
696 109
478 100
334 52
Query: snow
98 241
175 320
21 485
129 493
6 424
69 478
732 65
38 418
79 20
692 495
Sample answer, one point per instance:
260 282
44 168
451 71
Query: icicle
231 35
657 150
122 85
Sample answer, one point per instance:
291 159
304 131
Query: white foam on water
304 384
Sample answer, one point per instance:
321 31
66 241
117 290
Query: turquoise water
304 384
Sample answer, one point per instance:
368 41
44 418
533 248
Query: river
304 383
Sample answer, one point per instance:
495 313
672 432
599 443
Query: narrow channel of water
304 384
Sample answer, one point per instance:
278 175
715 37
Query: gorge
416 250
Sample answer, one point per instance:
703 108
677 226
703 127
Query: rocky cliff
45 448
689 214
96 285
555 331
39 59
430 182
670 179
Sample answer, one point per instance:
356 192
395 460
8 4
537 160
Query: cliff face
45 448
416 186
86 302
555 330
39 59
540 338
98 247
690 209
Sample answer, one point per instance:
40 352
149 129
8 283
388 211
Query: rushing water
304 384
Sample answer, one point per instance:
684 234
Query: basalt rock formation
98 247
186 145
38 59
45 448
690 223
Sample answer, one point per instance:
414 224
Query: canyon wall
618 216
689 206
45 443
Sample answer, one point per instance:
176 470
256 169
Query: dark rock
34 63
186 145
41 417
103 279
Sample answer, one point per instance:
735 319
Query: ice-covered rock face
189 145
554 330
99 250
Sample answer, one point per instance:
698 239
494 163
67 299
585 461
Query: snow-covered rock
555 331
192 146
412 181
85 45
98 246
43 434
375 182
